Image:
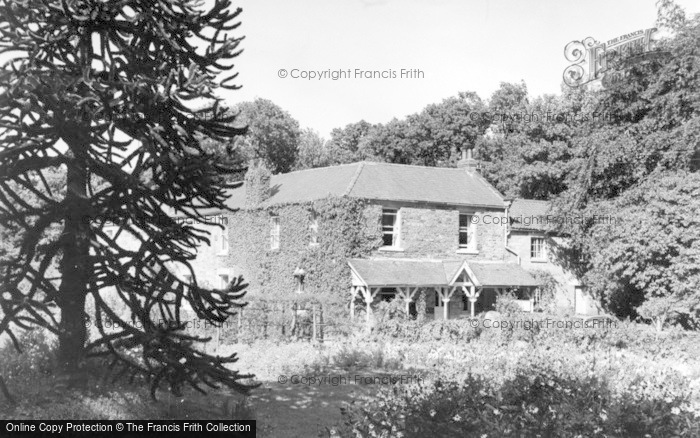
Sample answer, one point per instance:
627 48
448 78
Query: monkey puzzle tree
117 95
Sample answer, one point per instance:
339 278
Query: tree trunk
75 271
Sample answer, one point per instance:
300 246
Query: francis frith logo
601 61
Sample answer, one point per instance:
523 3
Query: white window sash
393 230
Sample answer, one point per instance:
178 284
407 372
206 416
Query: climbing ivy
347 228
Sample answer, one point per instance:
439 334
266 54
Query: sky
457 45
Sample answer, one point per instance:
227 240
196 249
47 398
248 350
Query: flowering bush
535 402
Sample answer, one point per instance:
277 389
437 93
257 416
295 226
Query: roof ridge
318 168
384 163
354 178
531 200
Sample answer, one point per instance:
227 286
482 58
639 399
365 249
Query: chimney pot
468 162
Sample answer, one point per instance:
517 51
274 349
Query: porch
452 288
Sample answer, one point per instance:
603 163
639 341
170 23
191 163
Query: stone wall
434 232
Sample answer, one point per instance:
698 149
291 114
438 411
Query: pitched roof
502 274
402 272
394 272
528 214
378 181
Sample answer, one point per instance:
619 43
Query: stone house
535 248
365 232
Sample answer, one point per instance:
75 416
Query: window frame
395 228
470 247
275 232
542 256
313 228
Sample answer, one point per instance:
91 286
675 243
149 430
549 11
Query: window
537 248
223 281
390 227
274 232
223 240
467 227
313 228
387 294
299 274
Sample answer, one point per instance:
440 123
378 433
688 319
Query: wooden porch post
353 295
407 296
472 301
473 295
446 296
369 295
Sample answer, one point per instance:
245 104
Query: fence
313 322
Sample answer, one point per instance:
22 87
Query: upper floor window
390 227
274 232
467 228
537 249
313 228
223 240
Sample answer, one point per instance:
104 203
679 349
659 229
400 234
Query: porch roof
402 272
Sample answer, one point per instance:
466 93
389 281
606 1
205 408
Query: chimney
257 184
467 161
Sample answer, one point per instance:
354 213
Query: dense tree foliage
313 151
116 96
639 168
432 137
344 145
273 135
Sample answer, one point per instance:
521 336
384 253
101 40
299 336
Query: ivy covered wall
347 228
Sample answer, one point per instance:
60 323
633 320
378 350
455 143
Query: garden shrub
414 330
506 304
31 369
535 402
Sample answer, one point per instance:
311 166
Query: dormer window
390 227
